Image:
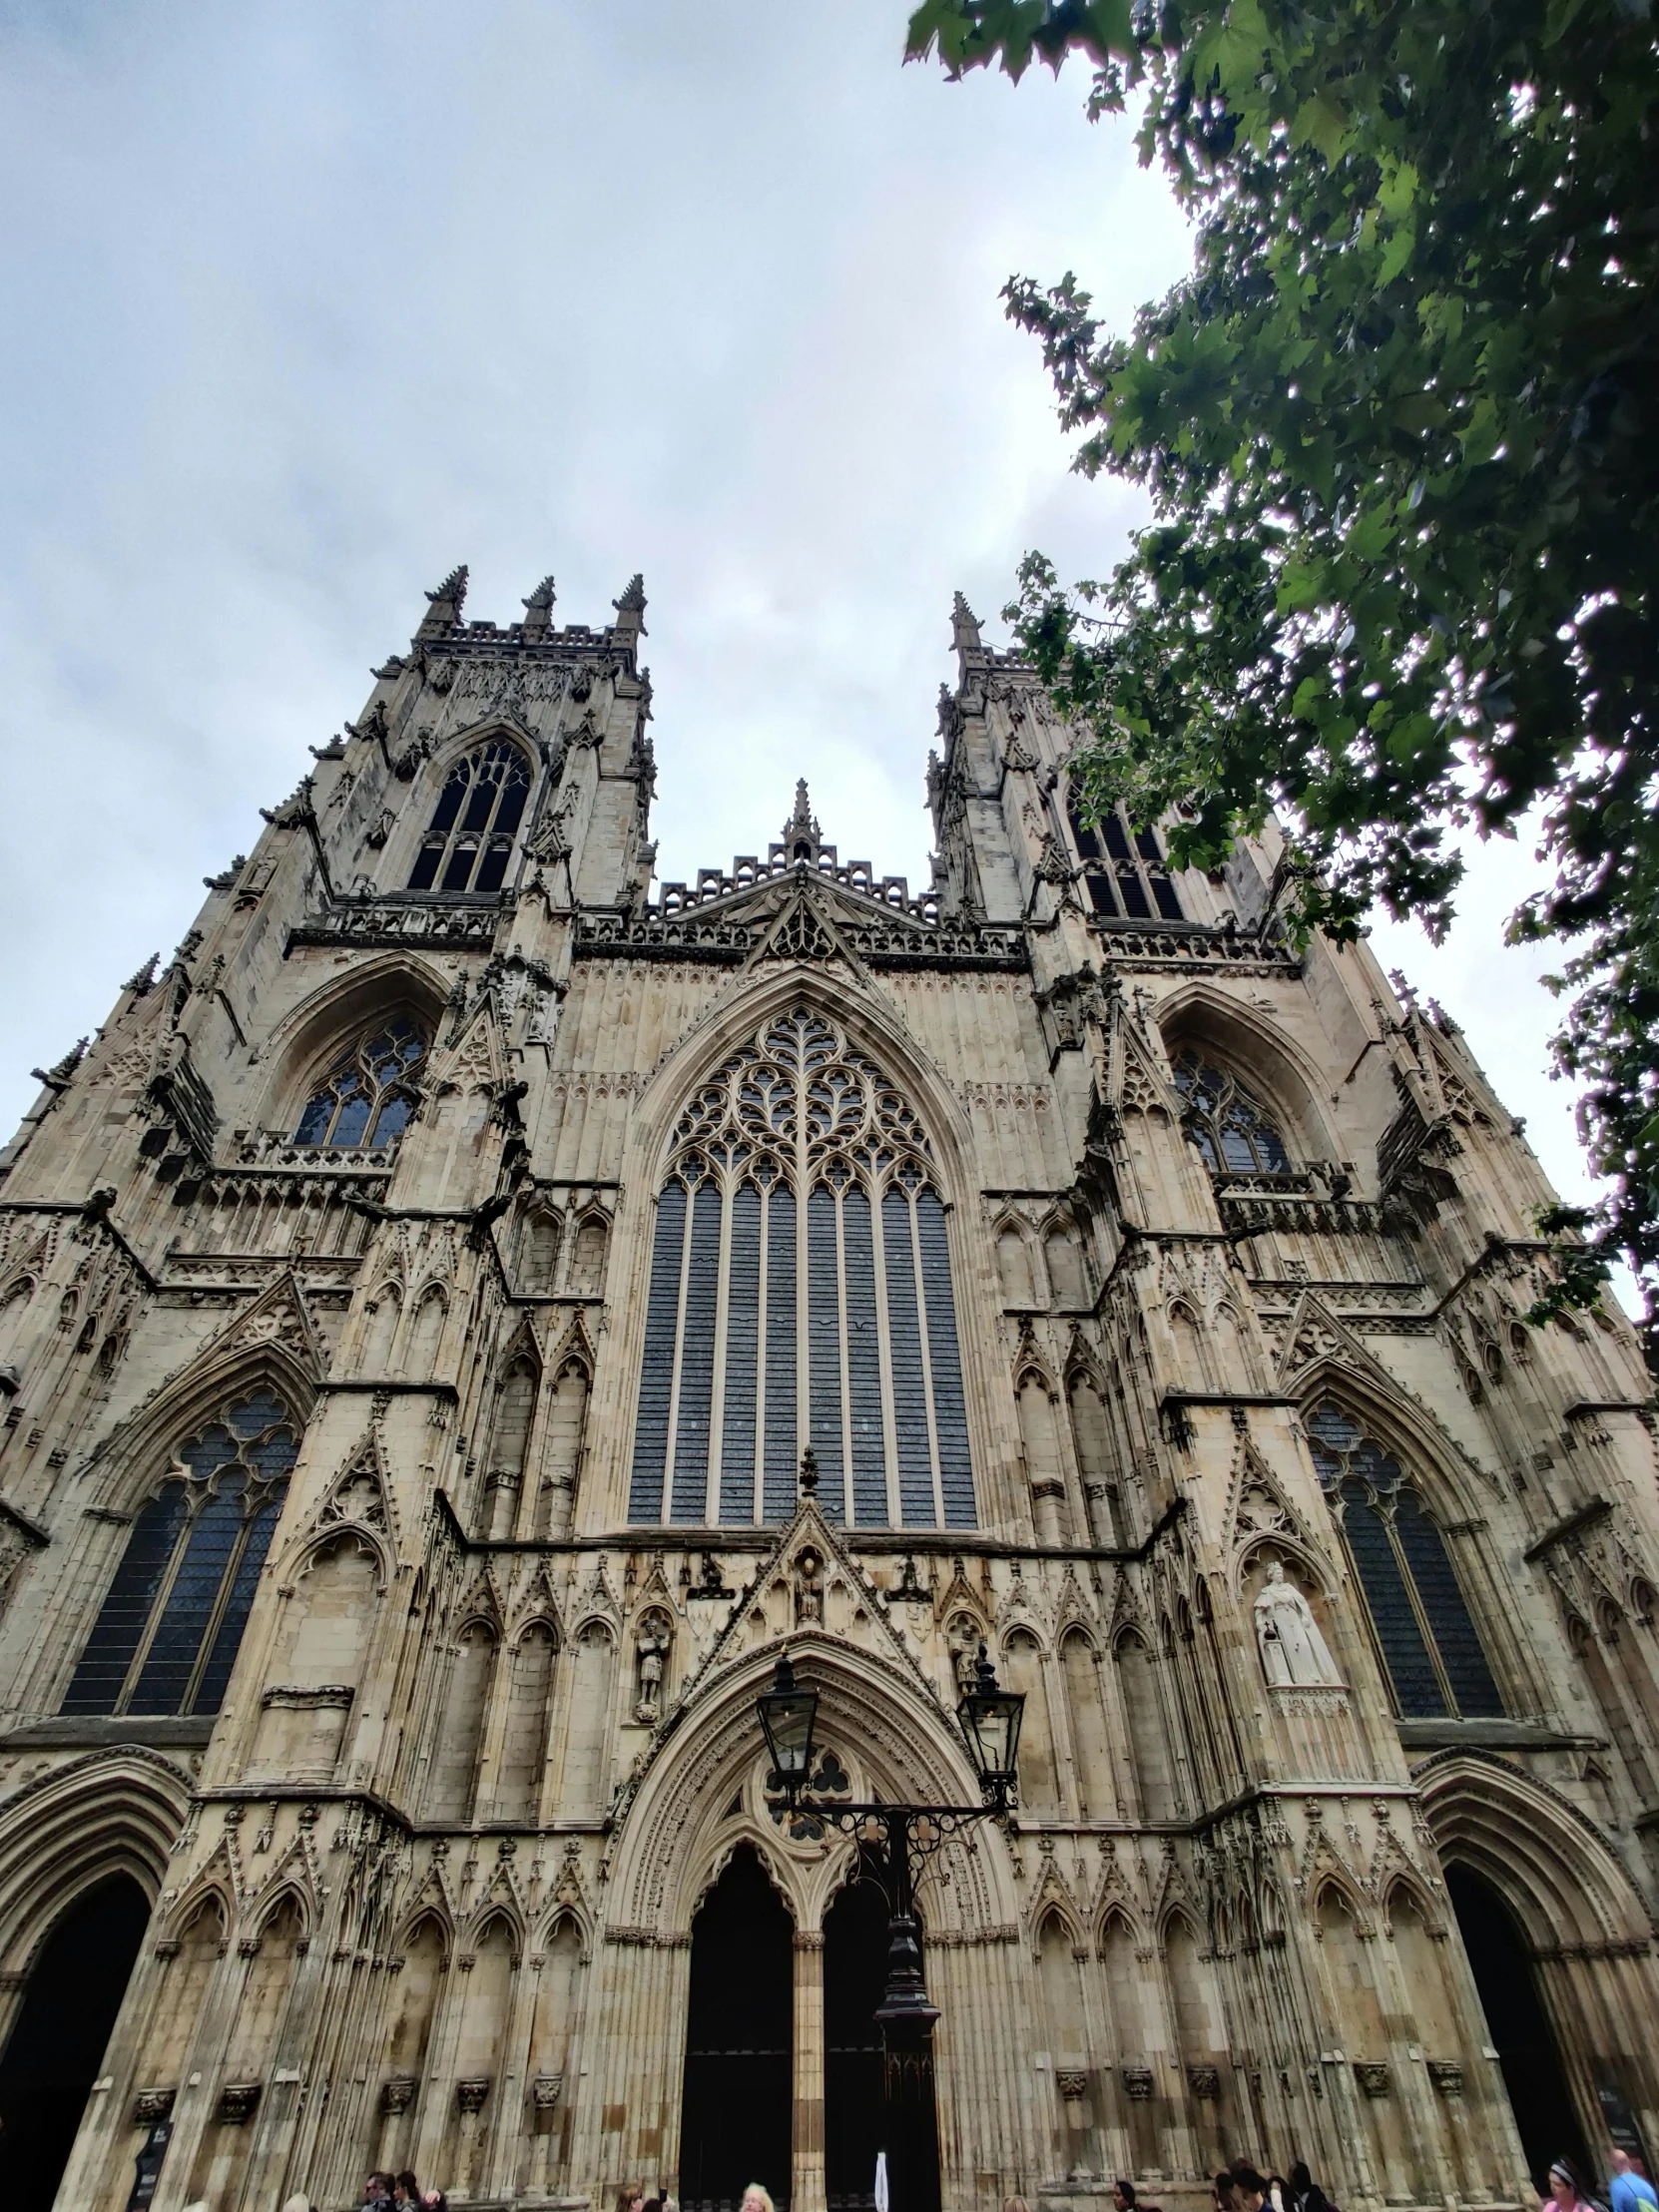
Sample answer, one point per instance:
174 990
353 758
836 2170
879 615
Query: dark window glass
469 845
866 1363
1435 1657
1229 1127
369 1095
662 1316
167 1635
1123 873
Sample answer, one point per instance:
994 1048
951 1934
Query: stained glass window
370 1096
470 840
1228 1126
166 1637
1431 1648
1124 871
799 1294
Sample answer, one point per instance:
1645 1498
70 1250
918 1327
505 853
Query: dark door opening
858 2121
737 2116
1527 2053
57 2045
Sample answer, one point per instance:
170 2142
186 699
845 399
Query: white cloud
303 305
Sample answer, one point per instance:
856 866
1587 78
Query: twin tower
416 1305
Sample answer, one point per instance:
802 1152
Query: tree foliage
1399 427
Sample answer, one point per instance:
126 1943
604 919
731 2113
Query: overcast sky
300 305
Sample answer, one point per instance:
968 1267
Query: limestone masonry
414 1306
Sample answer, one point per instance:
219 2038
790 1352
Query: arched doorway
1518 2026
858 2121
57 2045
739 2102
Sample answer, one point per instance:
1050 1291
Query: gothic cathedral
417 1306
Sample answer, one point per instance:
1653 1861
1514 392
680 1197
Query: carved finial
631 601
452 591
964 625
141 982
808 1472
801 833
57 1076
538 609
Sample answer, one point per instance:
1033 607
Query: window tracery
800 1293
471 840
1124 871
1229 1127
166 1634
1429 1644
369 1095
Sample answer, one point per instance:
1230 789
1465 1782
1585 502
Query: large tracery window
1429 1641
1229 1127
478 813
1124 871
369 1095
166 1637
800 1293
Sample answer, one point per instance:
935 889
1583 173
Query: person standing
1564 2193
1631 2191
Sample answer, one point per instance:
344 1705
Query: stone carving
1205 2082
237 2101
544 2090
1137 2081
1446 2075
651 1649
1371 2076
397 2094
1072 2082
1293 1648
470 2095
150 2105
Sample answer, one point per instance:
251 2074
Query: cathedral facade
416 1305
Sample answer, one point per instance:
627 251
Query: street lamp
989 1717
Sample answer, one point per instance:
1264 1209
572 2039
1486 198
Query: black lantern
990 1719
787 1713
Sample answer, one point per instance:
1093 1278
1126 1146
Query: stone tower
416 1305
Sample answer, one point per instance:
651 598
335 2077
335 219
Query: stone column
807 2186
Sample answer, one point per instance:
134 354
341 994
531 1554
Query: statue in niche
653 1660
1294 1651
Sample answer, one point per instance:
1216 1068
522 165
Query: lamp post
989 1718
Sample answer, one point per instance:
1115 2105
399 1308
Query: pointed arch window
369 1095
800 1293
1229 1127
470 840
1430 1648
1124 870
167 1635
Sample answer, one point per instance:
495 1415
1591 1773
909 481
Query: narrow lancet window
1124 870
800 1293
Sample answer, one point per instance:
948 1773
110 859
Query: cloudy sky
300 305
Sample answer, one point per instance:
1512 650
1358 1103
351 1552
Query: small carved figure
652 1655
1293 1648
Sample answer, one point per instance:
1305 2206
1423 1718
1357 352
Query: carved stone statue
653 1652
1293 1647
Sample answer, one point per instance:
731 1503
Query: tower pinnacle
802 833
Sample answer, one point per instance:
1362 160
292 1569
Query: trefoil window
1230 1128
470 840
369 1095
800 1293
1124 871
1429 1641
167 1636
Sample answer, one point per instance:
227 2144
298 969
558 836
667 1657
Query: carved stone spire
630 609
443 606
538 610
802 835
964 625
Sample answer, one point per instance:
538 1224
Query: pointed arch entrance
1529 2056
858 2121
53 2054
738 2109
